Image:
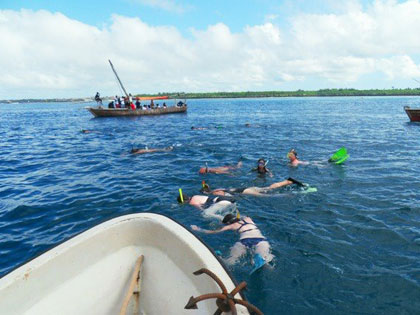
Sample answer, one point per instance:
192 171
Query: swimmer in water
221 169
293 160
254 191
250 238
146 150
204 202
262 169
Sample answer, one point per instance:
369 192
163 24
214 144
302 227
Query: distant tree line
299 93
250 94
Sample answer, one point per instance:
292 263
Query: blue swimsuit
249 241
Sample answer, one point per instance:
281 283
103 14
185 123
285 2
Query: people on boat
164 105
98 99
138 104
221 169
111 104
180 104
130 99
254 191
147 150
293 159
152 105
262 168
250 239
132 106
122 102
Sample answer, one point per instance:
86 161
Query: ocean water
351 247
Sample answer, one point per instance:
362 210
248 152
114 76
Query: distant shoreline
248 94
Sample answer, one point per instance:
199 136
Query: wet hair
230 219
184 196
261 160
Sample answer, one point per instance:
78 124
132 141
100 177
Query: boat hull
413 113
89 274
126 112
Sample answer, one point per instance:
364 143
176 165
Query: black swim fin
294 181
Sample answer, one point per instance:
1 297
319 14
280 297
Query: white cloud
44 54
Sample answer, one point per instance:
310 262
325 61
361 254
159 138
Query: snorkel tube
180 195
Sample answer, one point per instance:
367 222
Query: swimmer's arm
198 229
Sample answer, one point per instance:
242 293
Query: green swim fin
339 156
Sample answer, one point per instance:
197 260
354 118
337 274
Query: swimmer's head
230 219
261 162
134 150
292 154
203 170
184 199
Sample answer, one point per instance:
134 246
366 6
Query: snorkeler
293 160
205 128
250 238
204 202
262 168
221 169
254 191
146 150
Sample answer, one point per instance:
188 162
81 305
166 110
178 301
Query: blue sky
211 45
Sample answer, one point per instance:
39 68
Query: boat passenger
138 105
146 150
98 99
122 102
180 104
111 104
293 160
250 238
221 169
152 105
262 168
254 191
164 105
130 98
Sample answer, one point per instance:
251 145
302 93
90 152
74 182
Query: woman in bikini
250 238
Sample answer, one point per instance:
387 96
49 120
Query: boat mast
115 72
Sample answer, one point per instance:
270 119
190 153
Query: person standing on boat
138 104
250 238
98 99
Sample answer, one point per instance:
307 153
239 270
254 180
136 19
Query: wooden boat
127 112
134 264
413 113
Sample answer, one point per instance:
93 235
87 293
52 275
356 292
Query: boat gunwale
127 112
228 272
